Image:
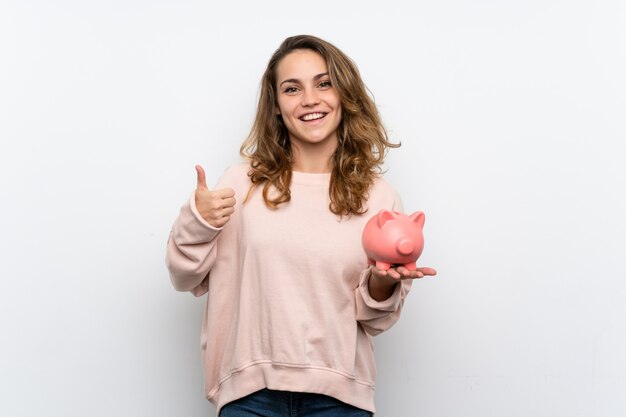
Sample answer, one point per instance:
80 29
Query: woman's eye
290 90
325 84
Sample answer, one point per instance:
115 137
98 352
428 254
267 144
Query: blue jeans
270 403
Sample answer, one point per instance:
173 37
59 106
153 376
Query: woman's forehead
301 64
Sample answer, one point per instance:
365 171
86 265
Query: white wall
511 116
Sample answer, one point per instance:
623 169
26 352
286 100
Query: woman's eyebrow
295 80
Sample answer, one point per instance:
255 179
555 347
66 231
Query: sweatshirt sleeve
191 250
378 316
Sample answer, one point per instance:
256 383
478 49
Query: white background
512 121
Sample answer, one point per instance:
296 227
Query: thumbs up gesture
215 206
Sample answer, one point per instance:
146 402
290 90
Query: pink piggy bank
392 238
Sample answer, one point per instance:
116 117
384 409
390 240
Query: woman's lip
314 122
324 114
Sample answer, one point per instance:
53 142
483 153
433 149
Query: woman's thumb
201 179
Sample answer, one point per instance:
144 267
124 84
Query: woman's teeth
313 116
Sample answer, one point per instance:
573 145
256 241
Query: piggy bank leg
383 266
410 266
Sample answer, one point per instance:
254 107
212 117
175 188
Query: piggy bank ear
418 217
384 216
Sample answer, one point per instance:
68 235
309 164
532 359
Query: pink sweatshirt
288 303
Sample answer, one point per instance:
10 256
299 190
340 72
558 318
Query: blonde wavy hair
363 141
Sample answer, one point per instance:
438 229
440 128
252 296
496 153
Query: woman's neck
313 159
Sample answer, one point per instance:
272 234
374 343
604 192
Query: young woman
292 305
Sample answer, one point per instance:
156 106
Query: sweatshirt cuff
192 228
390 304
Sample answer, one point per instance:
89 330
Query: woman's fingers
427 271
215 206
400 272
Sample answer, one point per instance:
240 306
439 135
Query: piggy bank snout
405 246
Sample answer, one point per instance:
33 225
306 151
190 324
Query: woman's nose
310 97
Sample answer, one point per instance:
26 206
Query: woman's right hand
216 206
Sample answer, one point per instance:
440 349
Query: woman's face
307 101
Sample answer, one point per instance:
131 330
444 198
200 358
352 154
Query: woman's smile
311 117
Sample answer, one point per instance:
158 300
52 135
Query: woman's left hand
383 282
401 272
